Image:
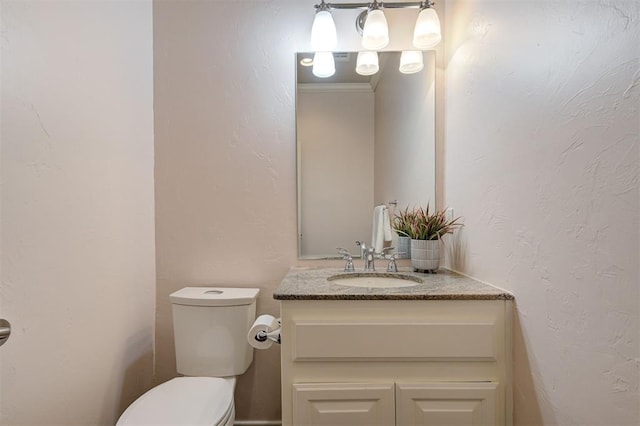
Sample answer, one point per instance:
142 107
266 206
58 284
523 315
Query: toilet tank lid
214 296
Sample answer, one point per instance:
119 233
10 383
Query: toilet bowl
210 326
193 401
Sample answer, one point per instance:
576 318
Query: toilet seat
194 401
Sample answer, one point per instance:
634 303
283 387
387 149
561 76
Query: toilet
210 327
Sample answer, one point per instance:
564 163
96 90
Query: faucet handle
348 267
385 251
343 251
394 256
393 267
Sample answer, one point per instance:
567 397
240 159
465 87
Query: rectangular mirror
362 141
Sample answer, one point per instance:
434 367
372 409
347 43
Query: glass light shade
411 61
367 63
426 34
323 64
323 32
375 34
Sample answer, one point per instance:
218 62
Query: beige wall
542 161
335 158
77 228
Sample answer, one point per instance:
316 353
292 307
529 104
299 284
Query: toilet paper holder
263 336
264 332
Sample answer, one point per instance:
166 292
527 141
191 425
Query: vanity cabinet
396 362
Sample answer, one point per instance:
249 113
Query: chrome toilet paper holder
263 336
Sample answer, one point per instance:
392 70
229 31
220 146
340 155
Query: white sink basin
375 280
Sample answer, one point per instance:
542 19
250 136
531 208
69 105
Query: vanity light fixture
426 34
323 64
323 30
375 34
372 24
411 62
367 63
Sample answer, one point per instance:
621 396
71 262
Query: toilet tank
210 326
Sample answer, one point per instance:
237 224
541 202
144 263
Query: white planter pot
425 254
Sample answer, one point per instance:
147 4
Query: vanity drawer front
473 404
343 404
433 341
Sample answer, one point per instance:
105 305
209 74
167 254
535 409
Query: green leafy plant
401 222
421 224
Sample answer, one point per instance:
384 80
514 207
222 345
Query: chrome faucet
368 256
363 248
369 264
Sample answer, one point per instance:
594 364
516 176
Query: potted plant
401 224
425 229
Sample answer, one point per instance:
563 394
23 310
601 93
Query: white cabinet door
343 404
446 404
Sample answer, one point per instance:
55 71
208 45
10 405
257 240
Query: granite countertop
309 283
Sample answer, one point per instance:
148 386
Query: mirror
361 142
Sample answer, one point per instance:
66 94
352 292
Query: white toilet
210 326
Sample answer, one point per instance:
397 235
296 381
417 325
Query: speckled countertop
312 284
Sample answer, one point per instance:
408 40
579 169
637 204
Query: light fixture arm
322 6
376 4
362 17
425 5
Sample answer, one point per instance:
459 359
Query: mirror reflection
362 141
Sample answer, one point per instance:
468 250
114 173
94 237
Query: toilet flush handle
5 331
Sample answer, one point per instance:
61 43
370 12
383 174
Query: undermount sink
375 280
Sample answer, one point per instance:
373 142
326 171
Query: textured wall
542 127
78 267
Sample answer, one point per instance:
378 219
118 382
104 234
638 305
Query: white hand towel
381 231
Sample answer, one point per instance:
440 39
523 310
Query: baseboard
257 423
